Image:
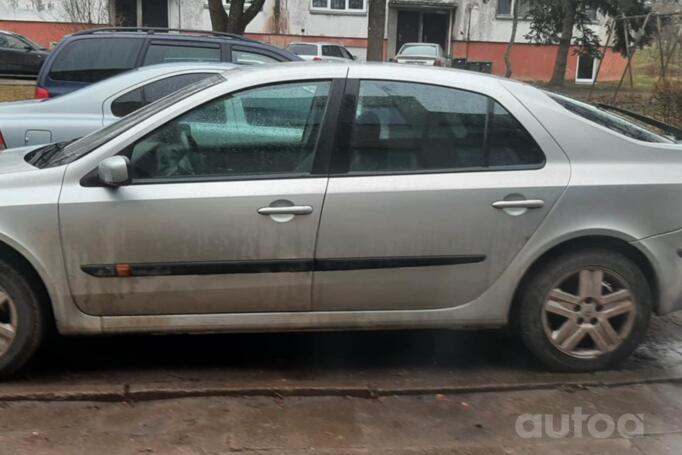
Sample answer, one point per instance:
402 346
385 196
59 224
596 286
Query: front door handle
287 210
522 204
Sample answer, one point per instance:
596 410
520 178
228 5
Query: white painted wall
297 19
46 10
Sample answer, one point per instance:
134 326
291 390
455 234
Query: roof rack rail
153 30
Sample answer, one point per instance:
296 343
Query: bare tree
237 18
512 38
85 11
375 30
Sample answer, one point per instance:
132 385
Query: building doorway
155 13
426 26
141 13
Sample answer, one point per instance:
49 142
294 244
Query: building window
340 6
504 8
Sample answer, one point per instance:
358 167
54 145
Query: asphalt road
397 393
328 363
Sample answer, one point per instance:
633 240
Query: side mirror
114 171
28 48
354 57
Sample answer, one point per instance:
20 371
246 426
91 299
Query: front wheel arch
26 268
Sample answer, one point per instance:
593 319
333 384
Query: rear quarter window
607 119
94 59
162 52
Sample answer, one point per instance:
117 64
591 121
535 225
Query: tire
550 321
30 315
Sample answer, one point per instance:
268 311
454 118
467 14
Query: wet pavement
425 392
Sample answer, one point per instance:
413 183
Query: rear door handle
523 204
289 210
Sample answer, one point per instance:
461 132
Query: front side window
10 42
95 59
263 132
162 52
242 57
339 5
141 96
406 127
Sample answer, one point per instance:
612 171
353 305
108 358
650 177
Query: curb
164 391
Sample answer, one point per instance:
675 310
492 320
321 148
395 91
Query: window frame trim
340 164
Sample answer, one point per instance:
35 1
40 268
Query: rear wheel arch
611 243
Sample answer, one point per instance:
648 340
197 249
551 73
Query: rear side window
406 127
332 51
92 60
608 120
162 52
243 57
303 49
135 99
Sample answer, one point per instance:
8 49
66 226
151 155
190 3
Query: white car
321 52
421 54
36 122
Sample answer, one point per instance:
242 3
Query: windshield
303 49
49 157
419 49
609 120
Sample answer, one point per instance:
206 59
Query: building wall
283 21
532 62
44 33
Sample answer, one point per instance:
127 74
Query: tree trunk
512 38
375 30
568 23
237 19
218 15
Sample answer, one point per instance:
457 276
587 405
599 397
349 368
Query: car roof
172 35
382 69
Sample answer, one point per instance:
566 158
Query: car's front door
12 54
432 193
221 214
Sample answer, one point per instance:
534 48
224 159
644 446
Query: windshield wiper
672 130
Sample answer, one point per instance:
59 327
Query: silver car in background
78 113
428 54
347 196
321 52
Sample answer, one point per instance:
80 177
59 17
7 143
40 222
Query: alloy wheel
589 313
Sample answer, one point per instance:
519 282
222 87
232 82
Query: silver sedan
36 122
347 196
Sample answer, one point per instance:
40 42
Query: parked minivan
92 55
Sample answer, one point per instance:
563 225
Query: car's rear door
221 215
433 191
